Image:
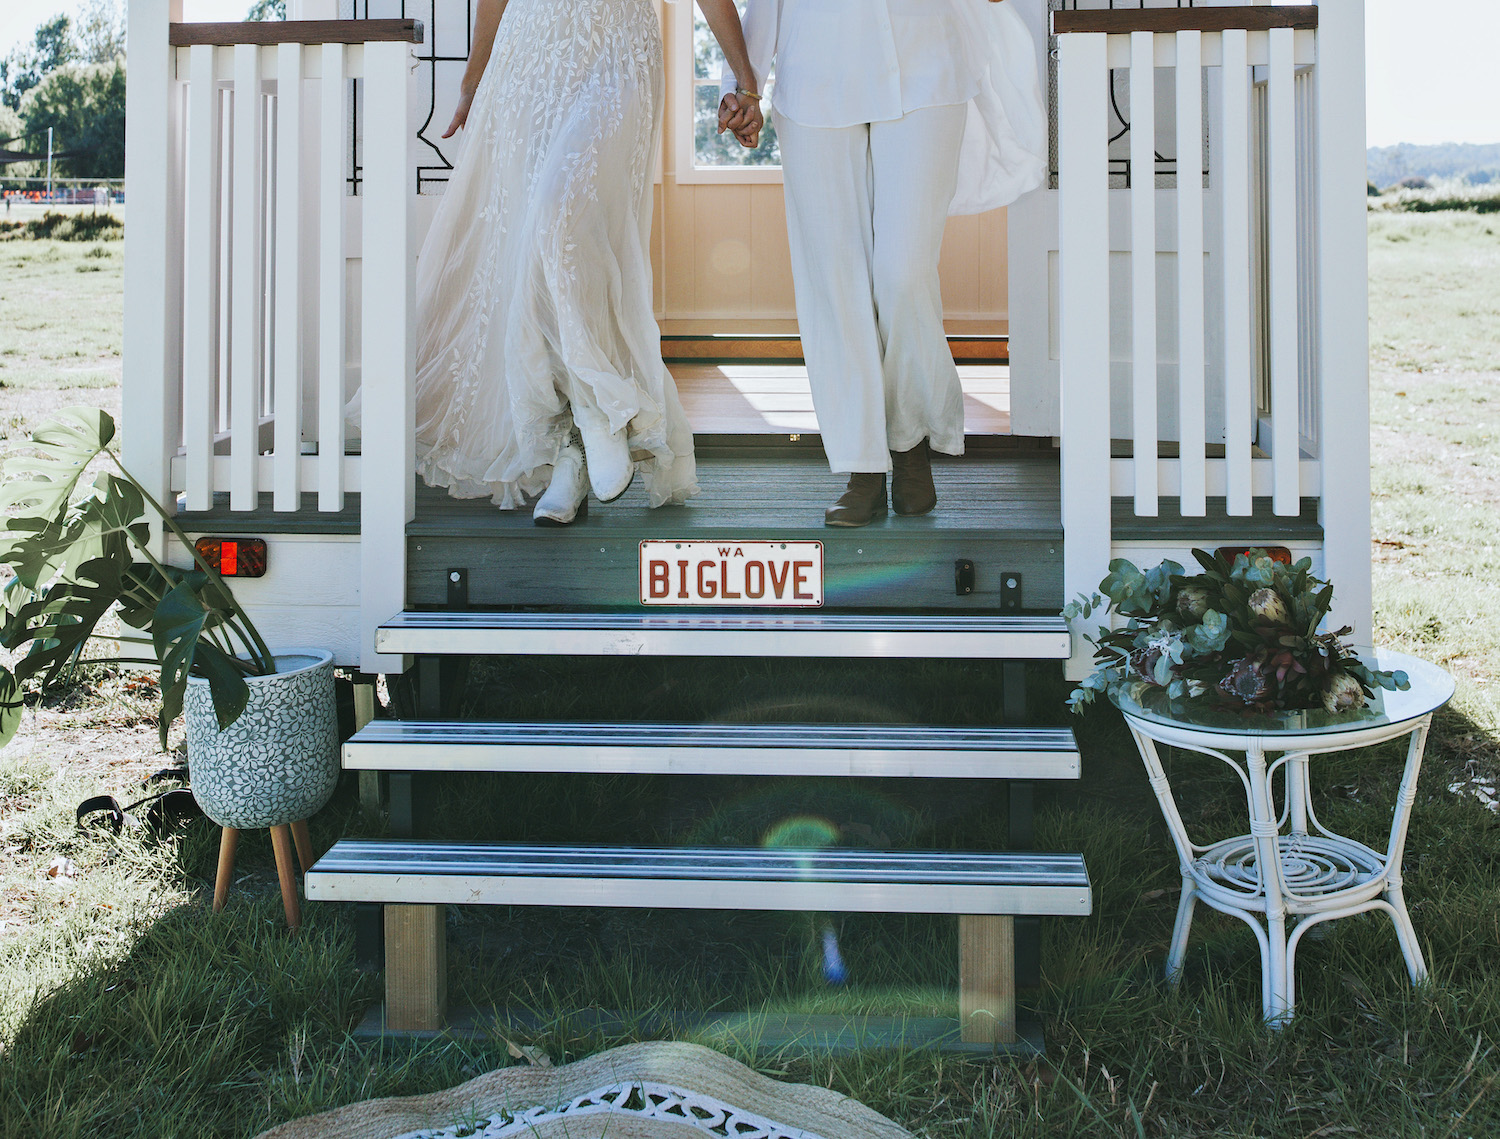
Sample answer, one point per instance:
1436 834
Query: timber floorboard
999 509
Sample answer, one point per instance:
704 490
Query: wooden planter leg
987 979
229 838
304 845
281 842
416 968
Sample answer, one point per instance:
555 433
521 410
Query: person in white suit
892 114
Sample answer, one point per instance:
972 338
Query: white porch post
388 467
1083 267
153 252
1343 311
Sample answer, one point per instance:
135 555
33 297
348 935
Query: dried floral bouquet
1242 635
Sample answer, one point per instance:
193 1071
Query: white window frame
680 128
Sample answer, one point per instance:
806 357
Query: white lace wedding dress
534 285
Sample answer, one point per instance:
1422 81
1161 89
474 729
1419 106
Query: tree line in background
1405 163
71 78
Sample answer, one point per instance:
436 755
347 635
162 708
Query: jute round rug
658 1090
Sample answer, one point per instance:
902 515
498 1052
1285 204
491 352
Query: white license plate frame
731 574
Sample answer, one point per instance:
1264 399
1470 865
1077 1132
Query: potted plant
1243 636
262 728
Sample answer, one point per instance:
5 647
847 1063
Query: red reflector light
1275 553
234 557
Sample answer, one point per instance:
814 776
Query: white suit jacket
840 63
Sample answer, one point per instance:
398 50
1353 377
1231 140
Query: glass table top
1431 688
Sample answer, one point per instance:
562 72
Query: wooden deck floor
996 507
772 398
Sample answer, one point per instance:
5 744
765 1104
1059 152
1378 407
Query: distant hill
1477 163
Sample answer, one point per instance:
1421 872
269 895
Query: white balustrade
254 393
238 346
1246 347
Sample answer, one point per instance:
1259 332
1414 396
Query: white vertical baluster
201 294
387 494
1343 314
1281 179
1191 372
288 345
1143 267
153 253
1083 191
332 349
1233 181
246 301
226 257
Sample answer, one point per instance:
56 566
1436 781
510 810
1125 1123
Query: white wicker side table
1291 872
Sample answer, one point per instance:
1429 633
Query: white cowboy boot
567 495
610 467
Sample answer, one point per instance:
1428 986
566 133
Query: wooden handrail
270 32
1119 21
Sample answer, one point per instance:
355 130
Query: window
704 155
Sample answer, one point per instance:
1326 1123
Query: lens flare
835 972
801 832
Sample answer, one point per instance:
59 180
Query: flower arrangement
1242 636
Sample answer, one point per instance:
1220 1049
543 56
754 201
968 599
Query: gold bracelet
743 94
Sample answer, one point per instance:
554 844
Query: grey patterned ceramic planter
279 762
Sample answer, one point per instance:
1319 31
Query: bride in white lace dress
536 326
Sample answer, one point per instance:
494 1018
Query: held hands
743 118
461 114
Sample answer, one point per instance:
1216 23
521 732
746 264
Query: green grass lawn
126 1008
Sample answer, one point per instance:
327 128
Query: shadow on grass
223 1024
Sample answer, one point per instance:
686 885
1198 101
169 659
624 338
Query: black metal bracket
369 937
458 588
1010 593
963 577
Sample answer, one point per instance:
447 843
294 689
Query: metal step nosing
769 642
711 894
689 760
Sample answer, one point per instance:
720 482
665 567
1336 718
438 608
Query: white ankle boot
610 467
567 496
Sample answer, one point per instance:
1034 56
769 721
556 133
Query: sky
1430 80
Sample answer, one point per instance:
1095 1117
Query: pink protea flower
1246 682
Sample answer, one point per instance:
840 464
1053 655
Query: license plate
780 574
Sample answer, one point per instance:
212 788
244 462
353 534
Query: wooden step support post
987 979
364 713
416 968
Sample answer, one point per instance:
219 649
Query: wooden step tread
837 750
833 880
888 636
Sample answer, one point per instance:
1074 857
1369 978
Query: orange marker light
1275 553
234 557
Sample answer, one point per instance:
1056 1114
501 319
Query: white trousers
866 209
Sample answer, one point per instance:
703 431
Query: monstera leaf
43 484
177 629
100 526
59 622
74 549
11 706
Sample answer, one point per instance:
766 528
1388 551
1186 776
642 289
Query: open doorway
724 295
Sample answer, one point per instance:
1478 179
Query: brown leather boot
912 491
861 501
